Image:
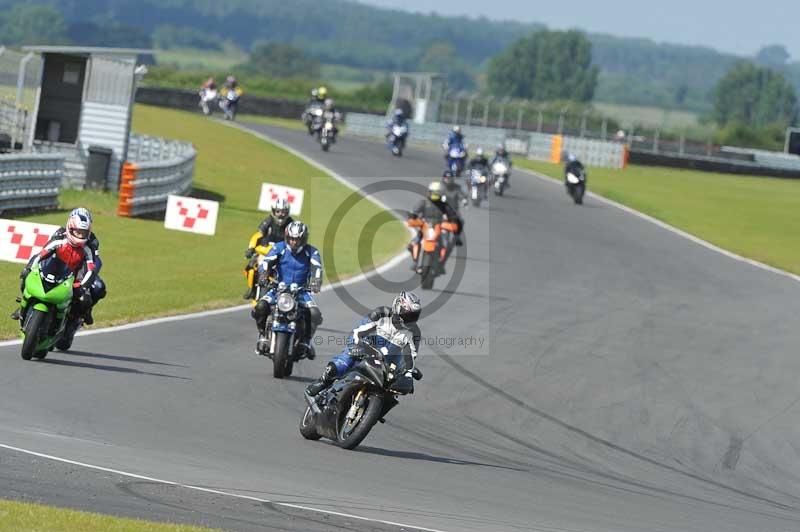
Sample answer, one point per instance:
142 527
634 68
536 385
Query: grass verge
152 271
28 517
755 217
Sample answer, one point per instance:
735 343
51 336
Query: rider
501 155
434 209
571 165
398 119
455 137
270 230
396 324
292 261
71 245
330 106
209 84
479 161
455 197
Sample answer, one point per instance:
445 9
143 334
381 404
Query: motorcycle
285 328
327 133
207 99
346 411
478 181
253 266
397 139
500 171
229 103
312 118
437 241
46 320
576 186
455 156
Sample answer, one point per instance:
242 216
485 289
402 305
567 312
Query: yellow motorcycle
251 269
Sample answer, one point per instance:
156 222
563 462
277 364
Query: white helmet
406 308
79 226
280 209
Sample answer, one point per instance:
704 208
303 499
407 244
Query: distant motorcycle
346 411
456 155
208 98
437 243
500 172
576 186
230 103
327 132
285 328
397 139
478 183
312 118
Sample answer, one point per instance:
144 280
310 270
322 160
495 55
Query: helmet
567 157
322 92
296 236
406 308
329 103
479 152
457 130
398 113
79 226
280 209
447 177
435 191
230 80
314 92
500 149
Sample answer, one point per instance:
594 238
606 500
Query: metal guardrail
30 181
532 145
74 161
162 167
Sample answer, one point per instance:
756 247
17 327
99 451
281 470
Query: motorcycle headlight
431 233
572 178
285 302
317 112
483 179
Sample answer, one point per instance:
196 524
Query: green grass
27 517
755 217
152 271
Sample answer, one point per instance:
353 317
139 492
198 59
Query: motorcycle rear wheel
426 278
363 425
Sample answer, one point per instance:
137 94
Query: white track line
216 492
391 263
672 229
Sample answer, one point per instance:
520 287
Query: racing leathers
378 322
304 268
398 121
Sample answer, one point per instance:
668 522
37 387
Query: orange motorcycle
433 249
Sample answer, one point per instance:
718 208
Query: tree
281 61
32 24
546 65
754 96
442 57
773 56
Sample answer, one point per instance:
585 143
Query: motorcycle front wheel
280 358
352 433
33 324
307 428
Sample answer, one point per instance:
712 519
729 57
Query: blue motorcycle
456 156
397 138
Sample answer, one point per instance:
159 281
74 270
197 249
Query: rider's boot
328 376
87 317
15 314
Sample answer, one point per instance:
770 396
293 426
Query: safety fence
74 175
155 169
30 181
533 145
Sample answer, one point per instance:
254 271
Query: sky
736 26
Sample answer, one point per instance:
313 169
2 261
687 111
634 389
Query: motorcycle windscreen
397 361
53 272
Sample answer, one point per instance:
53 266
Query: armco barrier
539 146
145 186
30 181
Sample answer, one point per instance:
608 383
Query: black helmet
296 236
406 308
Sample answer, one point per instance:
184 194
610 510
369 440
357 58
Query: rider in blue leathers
292 261
398 119
396 324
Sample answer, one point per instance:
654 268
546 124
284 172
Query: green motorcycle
45 319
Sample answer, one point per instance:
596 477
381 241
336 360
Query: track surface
632 380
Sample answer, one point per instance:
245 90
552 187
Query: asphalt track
630 380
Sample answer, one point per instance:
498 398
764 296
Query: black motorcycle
285 328
347 410
576 186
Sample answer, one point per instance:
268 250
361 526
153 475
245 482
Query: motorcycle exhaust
312 404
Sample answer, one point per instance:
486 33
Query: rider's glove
357 352
249 253
314 286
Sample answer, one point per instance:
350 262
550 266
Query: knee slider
261 310
98 289
315 315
